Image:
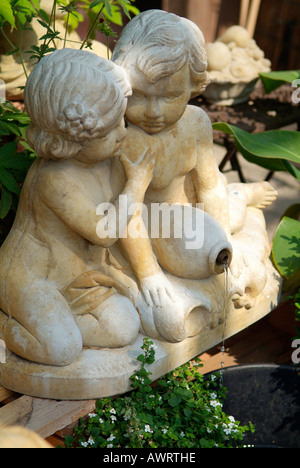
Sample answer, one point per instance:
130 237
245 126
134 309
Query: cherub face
156 107
106 147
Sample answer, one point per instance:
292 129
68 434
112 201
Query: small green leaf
9 182
7 150
141 358
108 7
286 247
95 3
274 149
187 412
5 202
272 80
174 400
6 12
125 9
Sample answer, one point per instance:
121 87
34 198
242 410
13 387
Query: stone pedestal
105 372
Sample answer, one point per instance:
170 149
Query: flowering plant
180 410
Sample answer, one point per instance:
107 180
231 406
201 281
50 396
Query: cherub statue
164 57
54 295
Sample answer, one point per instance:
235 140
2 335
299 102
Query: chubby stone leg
113 324
41 326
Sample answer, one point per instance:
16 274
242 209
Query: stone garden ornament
126 231
234 63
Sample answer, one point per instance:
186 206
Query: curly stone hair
73 96
159 44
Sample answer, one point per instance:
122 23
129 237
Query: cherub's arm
79 212
209 182
154 285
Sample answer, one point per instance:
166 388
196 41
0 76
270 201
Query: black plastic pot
269 396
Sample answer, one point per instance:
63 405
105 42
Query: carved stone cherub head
159 44
73 97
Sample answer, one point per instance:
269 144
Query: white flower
100 420
209 430
182 434
152 347
84 444
109 446
126 418
92 415
91 441
215 403
113 418
160 398
213 377
151 396
113 411
164 430
111 438
213 395
147 428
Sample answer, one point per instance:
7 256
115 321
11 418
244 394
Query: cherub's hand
167 308
157 291
141 170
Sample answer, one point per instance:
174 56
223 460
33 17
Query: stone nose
153 108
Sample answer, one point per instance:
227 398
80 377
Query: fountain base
99 373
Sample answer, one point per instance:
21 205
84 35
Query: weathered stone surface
88 268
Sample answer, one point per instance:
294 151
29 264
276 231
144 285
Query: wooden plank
16 412
50 416
55 440
5 393
42 416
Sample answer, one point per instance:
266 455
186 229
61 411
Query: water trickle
225 307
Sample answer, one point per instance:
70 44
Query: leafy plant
276 150
16 156
101 13
296 301
286 247
182 410
272 80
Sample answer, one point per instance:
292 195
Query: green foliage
276 150
286 247
272 80
181 410
101 13
296 300
14 160
6 12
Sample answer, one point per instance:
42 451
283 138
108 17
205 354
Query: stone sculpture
234 62
89 267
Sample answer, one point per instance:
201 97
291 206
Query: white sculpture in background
234 63
82 279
